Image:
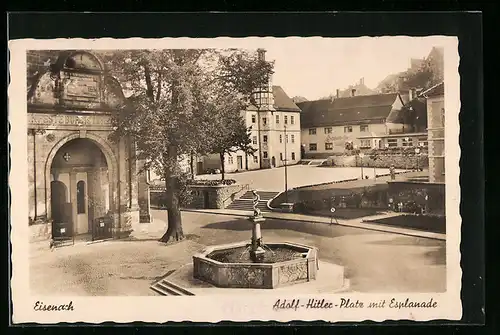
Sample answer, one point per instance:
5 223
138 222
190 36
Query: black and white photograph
283 178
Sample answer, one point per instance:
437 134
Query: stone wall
219 196
383 161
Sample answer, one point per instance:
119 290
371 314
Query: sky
315 69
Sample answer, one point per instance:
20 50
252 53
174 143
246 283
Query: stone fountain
255 264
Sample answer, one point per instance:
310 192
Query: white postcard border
209 308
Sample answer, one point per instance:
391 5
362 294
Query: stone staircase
245 202
167 288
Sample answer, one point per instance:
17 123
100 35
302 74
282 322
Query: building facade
76 173
358 122
436 132
275 133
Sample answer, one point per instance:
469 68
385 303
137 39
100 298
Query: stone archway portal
89 177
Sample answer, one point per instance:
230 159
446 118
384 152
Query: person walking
392 172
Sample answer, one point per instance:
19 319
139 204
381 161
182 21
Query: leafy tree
424 77
233 135
238 76
175 94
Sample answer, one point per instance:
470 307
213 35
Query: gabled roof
282 101
352 110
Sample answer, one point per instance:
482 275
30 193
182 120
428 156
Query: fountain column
256 250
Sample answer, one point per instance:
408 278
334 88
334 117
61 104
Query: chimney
338 93
353 92
262 54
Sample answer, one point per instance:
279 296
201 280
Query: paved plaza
374 261
298 175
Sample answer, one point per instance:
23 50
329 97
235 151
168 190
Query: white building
330 126
275 133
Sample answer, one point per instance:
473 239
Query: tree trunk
222 167
174 231
192 165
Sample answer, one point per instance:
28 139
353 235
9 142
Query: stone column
72 190
144 196
132 163
31 178
40 153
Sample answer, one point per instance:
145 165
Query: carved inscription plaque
83 86
69 120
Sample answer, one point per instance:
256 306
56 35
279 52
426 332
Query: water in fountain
243 255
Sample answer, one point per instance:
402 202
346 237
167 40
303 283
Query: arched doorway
82 169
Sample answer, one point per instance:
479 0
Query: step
247 209
263 197
245 202
165 287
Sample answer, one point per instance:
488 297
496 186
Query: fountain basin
218 266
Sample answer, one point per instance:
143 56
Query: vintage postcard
237 179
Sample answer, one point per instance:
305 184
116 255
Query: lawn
433 224
345 213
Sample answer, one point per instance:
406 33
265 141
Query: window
255 160
328 146
80 197
264 120
277 119
348 129
363 128
422 142
286 119
365 144
293 156
392 143
281 138
264 154
230 159
254 140
442 117
407 142
313 147
293 138
312 131
292 119
264 138
328 130
253 118
281 156
286 138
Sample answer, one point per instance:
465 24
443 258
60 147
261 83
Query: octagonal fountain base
230 265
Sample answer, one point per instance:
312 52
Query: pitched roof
352 110
282 101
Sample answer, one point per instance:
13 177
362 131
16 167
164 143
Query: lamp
361 155
417 152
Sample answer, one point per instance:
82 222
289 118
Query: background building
275 132
364 122
436 130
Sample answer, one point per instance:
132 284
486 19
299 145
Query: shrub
204 182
